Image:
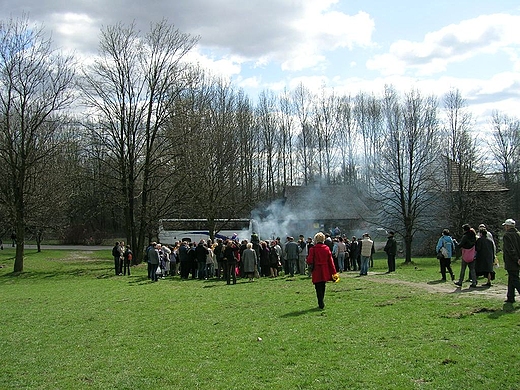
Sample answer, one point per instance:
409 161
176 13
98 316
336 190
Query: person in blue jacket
446 247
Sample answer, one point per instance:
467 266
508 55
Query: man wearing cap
484 227
511 249
391 250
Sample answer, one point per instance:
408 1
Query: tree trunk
20 242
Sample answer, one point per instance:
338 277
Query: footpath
495 291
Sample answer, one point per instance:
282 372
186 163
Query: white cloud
321 31
226 66
294 34
74 31
454 43
313 83
249 82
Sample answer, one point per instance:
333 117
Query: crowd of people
122 258
254 258
478 255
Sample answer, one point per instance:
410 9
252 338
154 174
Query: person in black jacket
391 250
486 251
511 249
354 254
201 253
231 257
116 254
192 261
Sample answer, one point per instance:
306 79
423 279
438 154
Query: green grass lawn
68 323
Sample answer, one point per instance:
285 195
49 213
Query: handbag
158 271
444 251
468 255
440 256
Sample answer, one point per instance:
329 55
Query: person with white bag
445 250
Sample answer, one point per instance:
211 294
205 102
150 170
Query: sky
347 46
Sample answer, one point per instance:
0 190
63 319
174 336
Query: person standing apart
391 250
323 269
366 251
511 248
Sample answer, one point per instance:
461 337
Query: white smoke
308 210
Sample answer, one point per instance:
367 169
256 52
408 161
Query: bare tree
327 125
347 143
505 148
248 144
405 176
270 143
306 138
286 129
35 87
368 118
462 163
128 90
212 124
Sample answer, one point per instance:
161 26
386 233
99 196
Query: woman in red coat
323 267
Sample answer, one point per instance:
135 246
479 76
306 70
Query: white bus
172 230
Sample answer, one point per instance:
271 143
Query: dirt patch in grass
493 292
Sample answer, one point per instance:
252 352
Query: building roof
472 181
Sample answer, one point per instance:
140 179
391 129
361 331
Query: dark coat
511 249
201 252
468 240
153 257
264 256
391 246
485 256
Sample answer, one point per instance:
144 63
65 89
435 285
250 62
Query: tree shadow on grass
301 312
100 272
507 308
440 281
137 279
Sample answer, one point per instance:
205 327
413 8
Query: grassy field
68 323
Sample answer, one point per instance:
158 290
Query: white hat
509 222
